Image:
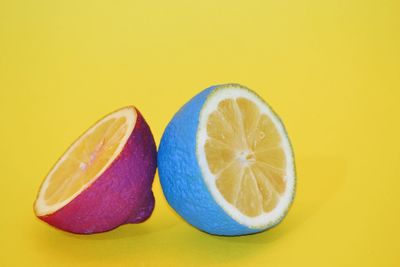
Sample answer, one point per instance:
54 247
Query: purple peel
144 212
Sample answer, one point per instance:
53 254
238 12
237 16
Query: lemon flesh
244 153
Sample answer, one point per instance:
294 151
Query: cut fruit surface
245 156
85 160
251 173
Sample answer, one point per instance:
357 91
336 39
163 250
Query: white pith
211 104
41 207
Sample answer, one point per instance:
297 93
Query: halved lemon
100 166
226 164
245 155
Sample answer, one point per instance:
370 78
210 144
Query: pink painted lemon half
104 179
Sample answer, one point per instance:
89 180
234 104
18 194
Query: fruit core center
92 156
245 157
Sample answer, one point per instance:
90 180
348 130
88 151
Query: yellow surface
329 68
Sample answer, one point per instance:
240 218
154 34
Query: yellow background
329 68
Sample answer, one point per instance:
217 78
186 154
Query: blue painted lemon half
226 164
